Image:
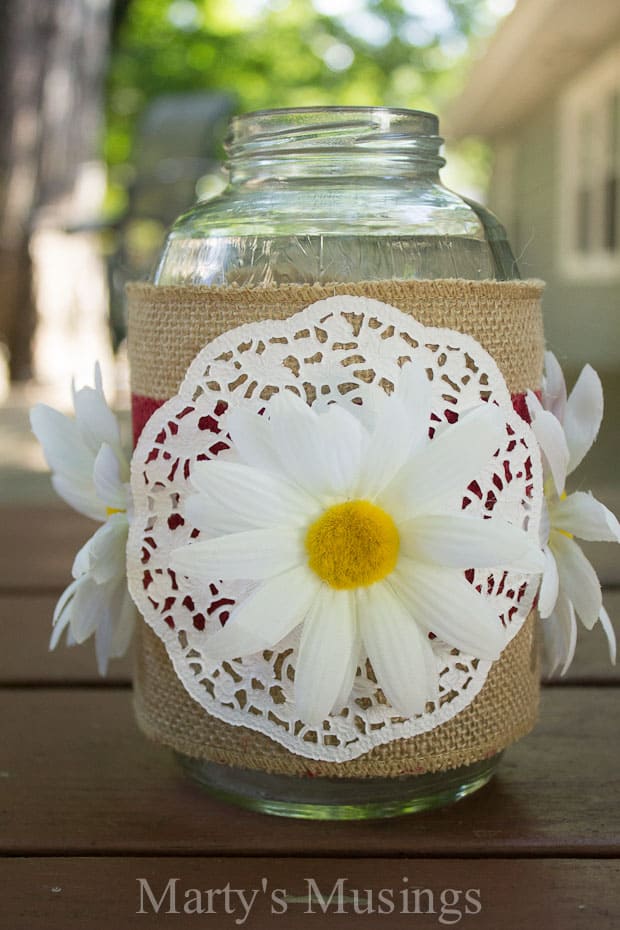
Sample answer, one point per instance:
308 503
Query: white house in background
546 95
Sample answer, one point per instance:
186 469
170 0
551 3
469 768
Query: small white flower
90 471
98 601
565 430
357 533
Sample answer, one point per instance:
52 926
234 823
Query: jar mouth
398 120
259 138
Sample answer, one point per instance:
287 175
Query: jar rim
405 111
267 122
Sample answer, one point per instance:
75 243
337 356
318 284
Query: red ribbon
143 408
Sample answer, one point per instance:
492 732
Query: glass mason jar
331 195
334 194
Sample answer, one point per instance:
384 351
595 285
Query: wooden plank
38 546
78 777
592 664
25 627
604 558
96 894
25 624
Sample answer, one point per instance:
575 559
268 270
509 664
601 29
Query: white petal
366 413
103 641
392 432
81 562
414 391
583 516
551 646
577 578
436 477
216 519
343 440
251 494
65 599
108 480
107 550
327 641
62 611
545 523
459 541
266 616
433 670
551 439
554 389
442 602
80 495
293 431
401 424
609 633
64 449
571 644
59 627
123 625
115 626
560 636
348 681
106 634
549 586
253 555
251 435
396 647
322 452
96 422
584 412
90 607
98 379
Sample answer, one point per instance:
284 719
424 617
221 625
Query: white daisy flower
358 534
90 471
565 430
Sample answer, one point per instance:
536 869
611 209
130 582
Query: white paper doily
346 350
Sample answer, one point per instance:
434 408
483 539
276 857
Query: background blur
113 116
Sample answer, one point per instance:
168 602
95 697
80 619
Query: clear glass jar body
335 195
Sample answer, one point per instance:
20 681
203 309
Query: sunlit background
113 119
254 54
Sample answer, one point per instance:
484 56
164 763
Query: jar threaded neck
327 141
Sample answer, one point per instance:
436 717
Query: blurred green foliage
275 53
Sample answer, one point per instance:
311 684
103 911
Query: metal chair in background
178 144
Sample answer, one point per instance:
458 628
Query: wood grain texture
88 806
38 546
103 893
25 628
77 777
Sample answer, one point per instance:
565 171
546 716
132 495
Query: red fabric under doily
143 408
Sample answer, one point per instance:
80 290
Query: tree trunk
52 64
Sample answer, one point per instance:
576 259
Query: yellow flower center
568 535
352 545
110 510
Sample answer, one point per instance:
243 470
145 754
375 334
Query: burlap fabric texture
168 326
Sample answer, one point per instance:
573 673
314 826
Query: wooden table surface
88 806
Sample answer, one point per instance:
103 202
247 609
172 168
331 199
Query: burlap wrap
169 325
167 328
